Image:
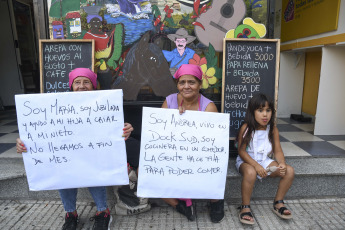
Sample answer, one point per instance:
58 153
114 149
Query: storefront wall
147 30
291 78
331 106
292 75
10 79
311 81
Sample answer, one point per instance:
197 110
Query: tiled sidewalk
307 214
296 138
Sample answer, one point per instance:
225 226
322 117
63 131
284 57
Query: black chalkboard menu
250 66
59 57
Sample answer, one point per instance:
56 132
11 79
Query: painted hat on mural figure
181 33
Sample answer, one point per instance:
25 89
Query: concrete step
314 178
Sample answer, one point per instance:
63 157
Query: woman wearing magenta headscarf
188 78
83 79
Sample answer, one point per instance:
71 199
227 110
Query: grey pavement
308 214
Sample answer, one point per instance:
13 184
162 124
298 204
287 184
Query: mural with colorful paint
192 30
58 30
74 25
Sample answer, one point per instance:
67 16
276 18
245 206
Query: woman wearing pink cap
83 79
188 78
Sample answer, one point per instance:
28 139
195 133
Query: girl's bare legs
248 180
284 184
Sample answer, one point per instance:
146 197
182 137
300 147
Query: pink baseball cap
83 72
191 69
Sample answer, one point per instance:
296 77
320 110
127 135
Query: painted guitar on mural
218 20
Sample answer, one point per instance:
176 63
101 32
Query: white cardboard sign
74 139
183 156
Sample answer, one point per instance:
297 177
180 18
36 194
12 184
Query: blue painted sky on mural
134 29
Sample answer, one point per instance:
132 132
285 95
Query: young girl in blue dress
258 139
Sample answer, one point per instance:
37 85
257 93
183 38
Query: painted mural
139 44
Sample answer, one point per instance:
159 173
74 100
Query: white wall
330 113
10 82
291 78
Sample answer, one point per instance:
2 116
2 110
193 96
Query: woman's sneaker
217 211
71 221
128 203
102 221
189 212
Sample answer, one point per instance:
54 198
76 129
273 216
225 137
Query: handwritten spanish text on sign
73 139
250 67
183 156
59 58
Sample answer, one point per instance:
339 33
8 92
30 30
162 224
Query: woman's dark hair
256 102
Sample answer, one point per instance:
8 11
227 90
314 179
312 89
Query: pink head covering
83 72
191 69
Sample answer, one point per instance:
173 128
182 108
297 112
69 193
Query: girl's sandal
241 215
280 212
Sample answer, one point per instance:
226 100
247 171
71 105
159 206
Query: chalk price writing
58 60
247 48
250 73
58 48
251 80
264 57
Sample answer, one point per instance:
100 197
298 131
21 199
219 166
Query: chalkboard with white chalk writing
250 66
59 57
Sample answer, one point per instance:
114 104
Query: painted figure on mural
101 38
58 30
181 54
74 24
95 28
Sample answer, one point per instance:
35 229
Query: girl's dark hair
256 102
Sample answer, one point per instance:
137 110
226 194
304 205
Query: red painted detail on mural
203 9
198 24
196 6
162 27
73 15
170 11
55 23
